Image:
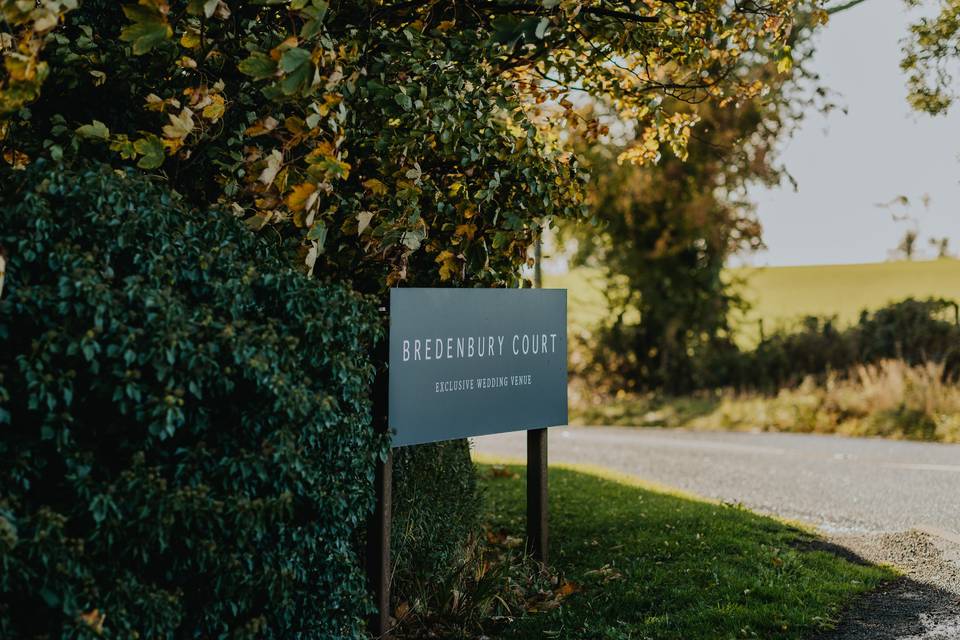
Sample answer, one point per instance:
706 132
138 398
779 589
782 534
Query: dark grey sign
470 362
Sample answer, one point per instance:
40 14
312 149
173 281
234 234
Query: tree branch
535 9
843 7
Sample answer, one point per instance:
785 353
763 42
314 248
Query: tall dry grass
890 399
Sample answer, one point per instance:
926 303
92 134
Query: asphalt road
841 485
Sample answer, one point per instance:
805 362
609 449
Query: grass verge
644 563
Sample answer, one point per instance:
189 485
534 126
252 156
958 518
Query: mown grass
643 563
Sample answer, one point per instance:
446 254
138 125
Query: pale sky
847 163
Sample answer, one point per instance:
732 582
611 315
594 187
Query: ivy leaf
412 239
296 80
404 101
151 148
318 233
295 62
258 66
292 59
149 26
206 7
96 130
542 28
466 230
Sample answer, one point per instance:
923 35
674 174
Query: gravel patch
922 605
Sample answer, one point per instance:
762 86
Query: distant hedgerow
185 439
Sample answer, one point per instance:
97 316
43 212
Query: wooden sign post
537 538
379 571
465 363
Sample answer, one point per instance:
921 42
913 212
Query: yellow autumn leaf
172 145
374 185
190 39
214 110
17 159
448 264
261 127
466 230
297 200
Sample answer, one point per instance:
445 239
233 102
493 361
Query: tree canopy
930 57
416 142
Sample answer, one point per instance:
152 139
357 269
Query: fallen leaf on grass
606 573
500 471
496 537
94 619
548 600
566 589
512 542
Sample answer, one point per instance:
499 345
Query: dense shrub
815 346
432 523
186 447
913 330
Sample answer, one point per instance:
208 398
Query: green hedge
916 331
185 440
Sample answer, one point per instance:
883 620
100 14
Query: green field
779 295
